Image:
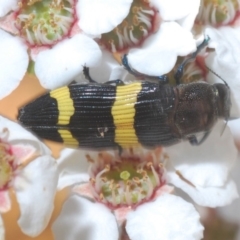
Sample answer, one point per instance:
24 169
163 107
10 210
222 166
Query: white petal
7 24
85 220
60 65
225 61
171 10
22 152
35 189
18 134
14 62
229 212
2 230
207 196
159 52
6 6
101 16
84 190
207 164
234 126
168 218
188 21
73 167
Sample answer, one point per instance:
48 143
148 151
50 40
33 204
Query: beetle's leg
117 82
163 78
193 140
179 73
128 68
87 74
89 78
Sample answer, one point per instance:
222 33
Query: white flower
53 39
159 53
169 217
34 183
155 33
13 54
207 168
133 210
225 61
201 172
101 15
218 13
230 212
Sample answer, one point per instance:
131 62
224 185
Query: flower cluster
44 31
27 168
136 189
135 193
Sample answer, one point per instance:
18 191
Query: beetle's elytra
99 116
142 113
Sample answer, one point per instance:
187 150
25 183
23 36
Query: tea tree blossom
49 31
128 186
135 187
148 34
212 162
229 212
218 13
49 35
28 169
220 21
46 27
224 60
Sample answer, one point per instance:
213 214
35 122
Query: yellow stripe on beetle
67 137
123 112
65 105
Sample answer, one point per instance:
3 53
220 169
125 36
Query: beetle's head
223 100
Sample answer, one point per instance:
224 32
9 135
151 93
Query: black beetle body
100 116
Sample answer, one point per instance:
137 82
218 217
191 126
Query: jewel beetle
118 115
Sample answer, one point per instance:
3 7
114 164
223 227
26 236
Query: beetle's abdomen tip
39 113
24 116
21 115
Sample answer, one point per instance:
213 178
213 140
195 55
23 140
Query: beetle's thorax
196 108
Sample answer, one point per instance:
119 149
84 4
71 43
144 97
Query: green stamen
126 180
42 22
125 175
6 170
217 12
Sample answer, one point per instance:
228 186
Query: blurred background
220 224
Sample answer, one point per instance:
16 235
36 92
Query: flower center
136 27
44 22
6 165
126 180
217 12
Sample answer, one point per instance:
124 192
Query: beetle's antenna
216 75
